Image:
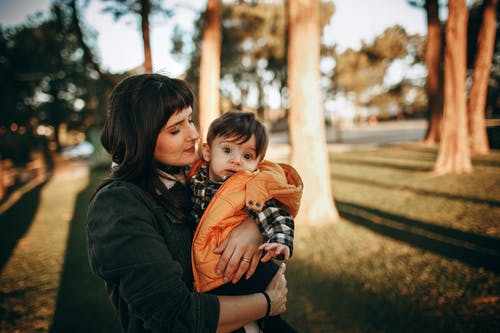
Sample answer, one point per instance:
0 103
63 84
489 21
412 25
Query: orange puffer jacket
225 211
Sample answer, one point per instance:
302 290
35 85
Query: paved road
381 133
364 135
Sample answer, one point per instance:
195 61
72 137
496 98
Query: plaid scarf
203 190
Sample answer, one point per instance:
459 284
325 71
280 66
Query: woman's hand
239 252
277 292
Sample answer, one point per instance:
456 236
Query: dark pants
257 282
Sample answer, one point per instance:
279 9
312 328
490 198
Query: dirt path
30 280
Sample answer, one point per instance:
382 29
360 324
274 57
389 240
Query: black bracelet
268 299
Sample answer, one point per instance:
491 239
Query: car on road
82 150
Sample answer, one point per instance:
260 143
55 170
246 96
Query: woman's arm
236 311
243 242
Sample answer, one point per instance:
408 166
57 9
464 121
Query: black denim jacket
143 255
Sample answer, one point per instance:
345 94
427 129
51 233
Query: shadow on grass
15 222
82 303
472 249
321 302
450 196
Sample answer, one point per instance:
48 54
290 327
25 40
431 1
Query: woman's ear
205 152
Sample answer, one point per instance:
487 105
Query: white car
81 150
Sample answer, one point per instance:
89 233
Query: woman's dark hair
241 126
140 105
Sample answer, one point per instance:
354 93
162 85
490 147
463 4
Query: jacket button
250 203
257 205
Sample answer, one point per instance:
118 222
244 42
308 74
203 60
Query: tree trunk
209 105
480 78
306 122
454 154
434 76
145 11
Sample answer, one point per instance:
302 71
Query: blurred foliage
50 77
47 78
253 50
361 72
16 147
254 59
144 9
120 8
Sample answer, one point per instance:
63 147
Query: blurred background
60 59
395 104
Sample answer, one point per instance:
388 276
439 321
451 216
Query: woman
139 226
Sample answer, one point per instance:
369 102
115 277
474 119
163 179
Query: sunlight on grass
414 252
353 279
31 277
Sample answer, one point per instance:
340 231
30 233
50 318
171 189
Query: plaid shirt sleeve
275 223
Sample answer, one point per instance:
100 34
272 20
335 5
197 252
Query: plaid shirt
275 223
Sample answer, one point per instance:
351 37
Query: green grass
414 252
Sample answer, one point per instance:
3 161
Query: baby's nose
236 160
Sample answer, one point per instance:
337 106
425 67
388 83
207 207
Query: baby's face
228 156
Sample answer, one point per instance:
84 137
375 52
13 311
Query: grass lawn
414 252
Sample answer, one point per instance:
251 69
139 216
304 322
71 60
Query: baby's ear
205 152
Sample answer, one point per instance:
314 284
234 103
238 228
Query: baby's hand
274 250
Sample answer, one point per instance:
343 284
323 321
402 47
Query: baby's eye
226 150
247 156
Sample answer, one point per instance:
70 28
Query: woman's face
176 142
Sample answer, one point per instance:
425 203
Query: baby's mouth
229 173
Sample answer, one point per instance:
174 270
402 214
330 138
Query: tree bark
145 11
454 153
481 75
306 120
209 94
434 76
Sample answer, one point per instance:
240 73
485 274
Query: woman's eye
174 130
226 150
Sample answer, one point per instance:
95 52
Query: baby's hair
240 126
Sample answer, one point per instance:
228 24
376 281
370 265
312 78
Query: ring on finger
245 259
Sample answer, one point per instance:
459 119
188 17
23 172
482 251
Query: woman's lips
191 150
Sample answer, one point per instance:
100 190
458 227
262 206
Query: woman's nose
194 135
